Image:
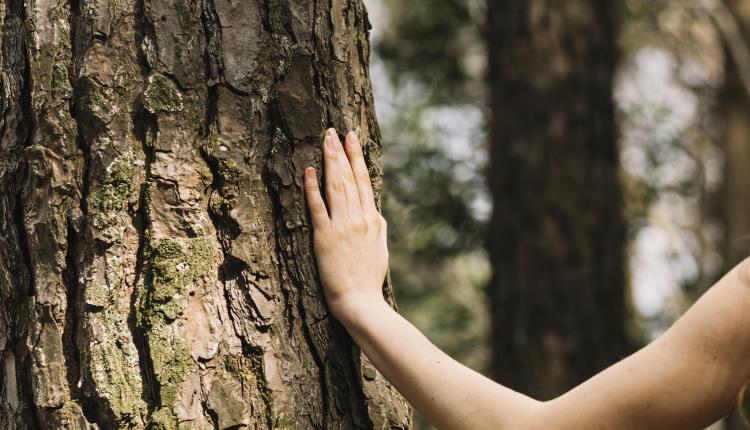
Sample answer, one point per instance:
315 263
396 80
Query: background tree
557 233
735 104
156 266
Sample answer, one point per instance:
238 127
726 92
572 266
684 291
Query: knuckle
337 232
317 207
373 220
348 176
363 175
359 224
337 185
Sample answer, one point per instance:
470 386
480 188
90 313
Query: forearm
686 379
448 394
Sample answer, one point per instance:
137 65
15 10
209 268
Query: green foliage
429 203
430 42
435 237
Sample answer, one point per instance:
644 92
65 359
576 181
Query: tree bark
557 234
156 267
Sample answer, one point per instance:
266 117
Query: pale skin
687 378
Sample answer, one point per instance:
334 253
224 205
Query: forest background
683 144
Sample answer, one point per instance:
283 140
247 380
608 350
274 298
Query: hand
349 232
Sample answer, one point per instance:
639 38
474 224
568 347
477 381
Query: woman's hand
349 232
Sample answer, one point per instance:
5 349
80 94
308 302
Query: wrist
358 311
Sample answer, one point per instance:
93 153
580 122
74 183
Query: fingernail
310 172
330 142
353 138
331 132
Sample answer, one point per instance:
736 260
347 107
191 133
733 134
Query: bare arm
686 379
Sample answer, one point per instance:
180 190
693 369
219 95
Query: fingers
335 192
348 186
361 176
344 172
315 203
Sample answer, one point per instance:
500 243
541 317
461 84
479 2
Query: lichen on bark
173 267
162 95
107 203
114 368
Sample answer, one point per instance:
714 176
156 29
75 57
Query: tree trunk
557 233
735 106
156 267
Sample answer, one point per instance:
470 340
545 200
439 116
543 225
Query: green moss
213 139
163 419
113 371
173 267
258 375
109 200
94 105
69 412
228 184
60 82
226 175
228 171
162 95
171 360
282 422
147 189
205 174
97 295
65 40
229 179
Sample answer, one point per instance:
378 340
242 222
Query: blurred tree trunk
735 106
557 235
156 266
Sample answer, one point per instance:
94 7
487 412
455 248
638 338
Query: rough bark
735 198
557 234
156 267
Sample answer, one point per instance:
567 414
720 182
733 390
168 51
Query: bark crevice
213 53
273 185
25 134
231 266
145 125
